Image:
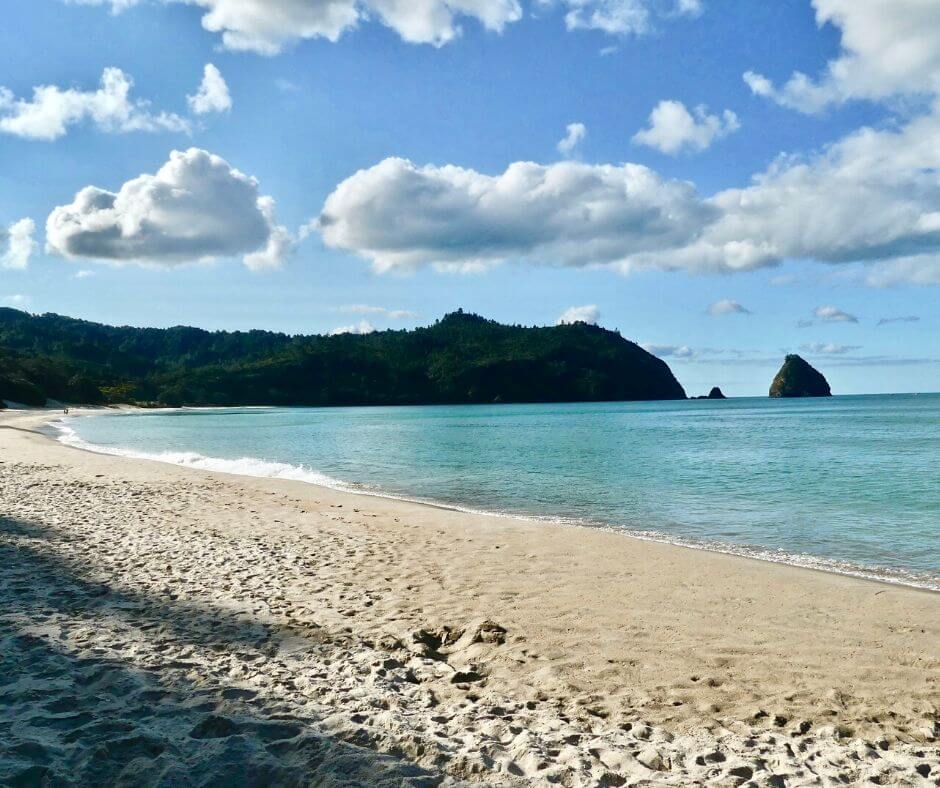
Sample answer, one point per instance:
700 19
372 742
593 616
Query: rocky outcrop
797 378
715 393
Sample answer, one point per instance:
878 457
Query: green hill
462 358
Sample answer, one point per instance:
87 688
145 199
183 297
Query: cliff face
797 378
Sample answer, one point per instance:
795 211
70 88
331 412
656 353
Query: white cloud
889 48
212 95
917 270
286 86
362 327
622 17
280 242
589 313
84 273
673 129
362 309
727 307
831 314
401 216
871 198
268 26
17 300
829 348
19 243
669 351
196 207
52 110
576 132
367 309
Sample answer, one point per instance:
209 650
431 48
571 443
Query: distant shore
429 644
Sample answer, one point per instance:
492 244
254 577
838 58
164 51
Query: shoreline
891 577
473 648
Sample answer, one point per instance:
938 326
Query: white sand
163 626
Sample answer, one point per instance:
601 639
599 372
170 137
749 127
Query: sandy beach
165 626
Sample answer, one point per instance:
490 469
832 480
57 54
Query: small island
715 393
798 378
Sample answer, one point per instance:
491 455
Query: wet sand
161 625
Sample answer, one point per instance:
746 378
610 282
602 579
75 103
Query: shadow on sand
84 716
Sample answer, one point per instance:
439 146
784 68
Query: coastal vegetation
462 358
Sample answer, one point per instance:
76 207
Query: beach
164 625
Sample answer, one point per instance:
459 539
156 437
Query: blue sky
701 243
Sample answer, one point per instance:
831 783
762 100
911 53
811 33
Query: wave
244 466
267 469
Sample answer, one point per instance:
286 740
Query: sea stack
797 378
715 393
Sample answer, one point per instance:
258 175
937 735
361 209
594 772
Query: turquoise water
850 484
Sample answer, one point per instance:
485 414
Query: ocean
847 484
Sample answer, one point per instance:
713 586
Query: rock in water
797 378
715 393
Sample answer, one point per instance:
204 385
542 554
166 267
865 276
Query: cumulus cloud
673 129
362 327
727 307
871 198
622 17
280 242
196 207
888 48
17 244
576 132
213 94
829 348
52 110
268 26
17 300
885 321
402 216
84 273
589 313
831 314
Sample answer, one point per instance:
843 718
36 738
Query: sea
848 484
